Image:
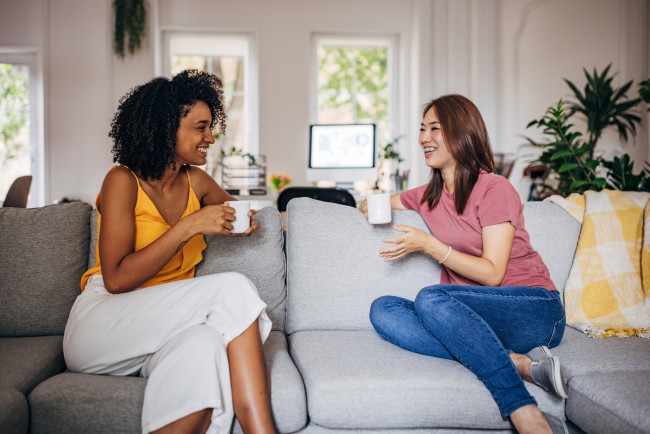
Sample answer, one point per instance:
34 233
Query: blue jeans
478 326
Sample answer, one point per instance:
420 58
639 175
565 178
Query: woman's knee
431 302
386 313
428 295
381 308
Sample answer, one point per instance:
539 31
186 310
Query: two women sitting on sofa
199 340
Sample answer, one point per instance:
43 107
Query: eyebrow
430 123
202 122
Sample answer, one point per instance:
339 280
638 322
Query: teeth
203 150
429 149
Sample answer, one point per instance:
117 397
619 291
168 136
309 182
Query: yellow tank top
149 226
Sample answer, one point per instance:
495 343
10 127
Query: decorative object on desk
390 167
572 165
279 181
401 180
244 174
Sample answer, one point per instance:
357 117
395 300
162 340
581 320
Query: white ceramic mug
242 221
379 208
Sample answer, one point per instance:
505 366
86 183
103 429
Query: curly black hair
145 124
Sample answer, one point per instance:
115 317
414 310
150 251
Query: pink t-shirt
493 200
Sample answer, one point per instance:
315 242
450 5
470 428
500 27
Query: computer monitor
343 153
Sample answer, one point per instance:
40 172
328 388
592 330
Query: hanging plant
130 18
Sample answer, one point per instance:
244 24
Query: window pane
181 63
232 73
353 85
15 152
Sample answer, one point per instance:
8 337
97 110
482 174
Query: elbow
495 279
113 286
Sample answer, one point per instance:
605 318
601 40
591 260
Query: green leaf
567 166
578 183
600 182
561 154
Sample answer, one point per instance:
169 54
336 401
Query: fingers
253 227
395 250
393 258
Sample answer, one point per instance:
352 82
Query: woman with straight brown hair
496 310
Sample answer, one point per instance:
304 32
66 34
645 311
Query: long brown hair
467 139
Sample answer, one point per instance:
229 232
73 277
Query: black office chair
335 195
18 192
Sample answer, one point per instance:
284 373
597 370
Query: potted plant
130 25
571 164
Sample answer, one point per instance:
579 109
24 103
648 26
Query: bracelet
446 256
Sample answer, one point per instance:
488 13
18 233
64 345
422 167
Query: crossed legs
479 327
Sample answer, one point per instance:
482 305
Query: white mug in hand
379 208
242 221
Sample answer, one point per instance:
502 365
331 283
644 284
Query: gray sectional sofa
330 372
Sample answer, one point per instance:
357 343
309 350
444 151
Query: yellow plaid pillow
607 292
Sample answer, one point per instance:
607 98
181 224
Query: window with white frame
21 121
354 80
232 58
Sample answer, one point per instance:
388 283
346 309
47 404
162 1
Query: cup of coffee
379 208
242 221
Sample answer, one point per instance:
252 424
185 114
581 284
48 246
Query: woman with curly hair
198 340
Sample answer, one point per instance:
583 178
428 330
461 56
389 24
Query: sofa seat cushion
356 380
313 428
14 412
86 403
43 256
615 402
71 402
28 361
581 355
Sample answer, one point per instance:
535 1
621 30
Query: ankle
522 363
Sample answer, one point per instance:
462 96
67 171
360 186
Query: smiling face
436 151
194 136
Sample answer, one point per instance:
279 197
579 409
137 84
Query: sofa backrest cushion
260 257
334 270
554 234
43 255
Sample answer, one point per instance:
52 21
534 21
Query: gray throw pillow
259 257
44 253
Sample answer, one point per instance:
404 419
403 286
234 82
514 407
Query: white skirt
175 334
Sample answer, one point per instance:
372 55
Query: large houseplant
571 164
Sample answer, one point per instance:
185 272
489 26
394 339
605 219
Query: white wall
509 56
